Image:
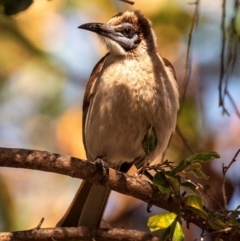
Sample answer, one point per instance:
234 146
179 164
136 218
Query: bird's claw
101 166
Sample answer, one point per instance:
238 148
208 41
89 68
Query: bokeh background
44 66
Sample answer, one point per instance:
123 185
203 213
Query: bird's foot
101 166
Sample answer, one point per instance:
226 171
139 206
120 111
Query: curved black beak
109 31
100 28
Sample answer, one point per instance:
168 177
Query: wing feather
170 67
88 92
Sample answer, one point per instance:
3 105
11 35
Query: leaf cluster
171 180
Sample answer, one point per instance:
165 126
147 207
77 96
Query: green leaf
166 183
189 164
203 157
174 183
149 141
165 234
216 223
189 167
233 218
181 166
194 203
161 221
185 167
160 181
194 166
200 174
189 185
176 232
173 232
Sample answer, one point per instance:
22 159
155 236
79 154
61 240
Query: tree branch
77 168
76 233
117 181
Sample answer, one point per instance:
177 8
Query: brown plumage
131 89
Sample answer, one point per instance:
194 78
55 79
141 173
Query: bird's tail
87 206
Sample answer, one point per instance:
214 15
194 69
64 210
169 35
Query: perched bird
131 90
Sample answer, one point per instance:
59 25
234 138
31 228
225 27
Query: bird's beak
103 29
109 31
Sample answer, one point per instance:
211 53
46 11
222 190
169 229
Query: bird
131 90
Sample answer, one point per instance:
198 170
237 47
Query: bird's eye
128 32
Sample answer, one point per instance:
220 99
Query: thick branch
74 234
74 167
117 181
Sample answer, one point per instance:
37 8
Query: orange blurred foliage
69 133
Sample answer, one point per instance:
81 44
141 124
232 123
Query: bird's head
126 33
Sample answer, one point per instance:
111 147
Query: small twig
227 68
224 172
225 111
127 1
40 223
148 175
222 65
233 103
212 198
202 236
217 232
188 65
158 167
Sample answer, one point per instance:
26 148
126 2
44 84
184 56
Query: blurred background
44 66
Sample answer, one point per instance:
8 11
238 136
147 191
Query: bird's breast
127 100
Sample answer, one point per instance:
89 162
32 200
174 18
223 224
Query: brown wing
88 91
170 67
